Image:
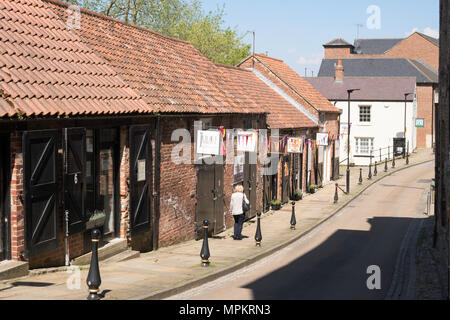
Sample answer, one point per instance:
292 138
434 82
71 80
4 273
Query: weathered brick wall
416 47
337 53
177 188
424 110
17 213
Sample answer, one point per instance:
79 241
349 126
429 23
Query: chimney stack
339 72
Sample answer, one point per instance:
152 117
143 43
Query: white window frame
371 144
370 114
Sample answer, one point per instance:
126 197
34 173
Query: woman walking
237 199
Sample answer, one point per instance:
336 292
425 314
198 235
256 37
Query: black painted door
219 218
140 179
4 197
74 179
285 179
295 171
40 191
210 200
250 183
267 184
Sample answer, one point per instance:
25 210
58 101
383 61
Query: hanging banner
239 168
274 144
247 141
294 145
322 139
208 142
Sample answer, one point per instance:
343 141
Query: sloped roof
247 88
337 42
46 70
375 46
170 74
429 38
304 88
371 89
379 67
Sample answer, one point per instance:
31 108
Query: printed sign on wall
247 141
294 145
420 123
322 139
208 142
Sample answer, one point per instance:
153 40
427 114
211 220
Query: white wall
387 122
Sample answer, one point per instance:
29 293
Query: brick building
416 55
87 123
94 119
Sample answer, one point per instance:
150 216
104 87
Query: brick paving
171 270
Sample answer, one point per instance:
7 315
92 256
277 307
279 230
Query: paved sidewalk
171 270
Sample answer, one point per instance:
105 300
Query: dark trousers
238 223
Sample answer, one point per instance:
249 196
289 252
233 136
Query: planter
297 197
96 221
276 207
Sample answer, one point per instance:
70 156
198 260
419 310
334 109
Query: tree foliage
184 19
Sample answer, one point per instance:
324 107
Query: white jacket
236 203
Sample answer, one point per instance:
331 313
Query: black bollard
204 254
385 165
336 196
258 236
360 176
375 171
93 279
293 221
370 172
407 155
393 161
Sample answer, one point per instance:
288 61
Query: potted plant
276 204
298 195
96 220
312 188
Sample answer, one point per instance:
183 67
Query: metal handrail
376 154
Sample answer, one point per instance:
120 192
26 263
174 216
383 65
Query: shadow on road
337 268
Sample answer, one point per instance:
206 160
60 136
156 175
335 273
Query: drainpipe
156 183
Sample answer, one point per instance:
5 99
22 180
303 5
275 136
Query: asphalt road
332 261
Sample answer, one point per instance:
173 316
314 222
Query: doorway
4 197
102 179
285 169
210 199
296 172
249 182
270 181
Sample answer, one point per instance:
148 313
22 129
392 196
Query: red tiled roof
45 69
249 90
170 74
303 87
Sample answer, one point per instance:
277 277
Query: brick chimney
339 71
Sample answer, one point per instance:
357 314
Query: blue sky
294 30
